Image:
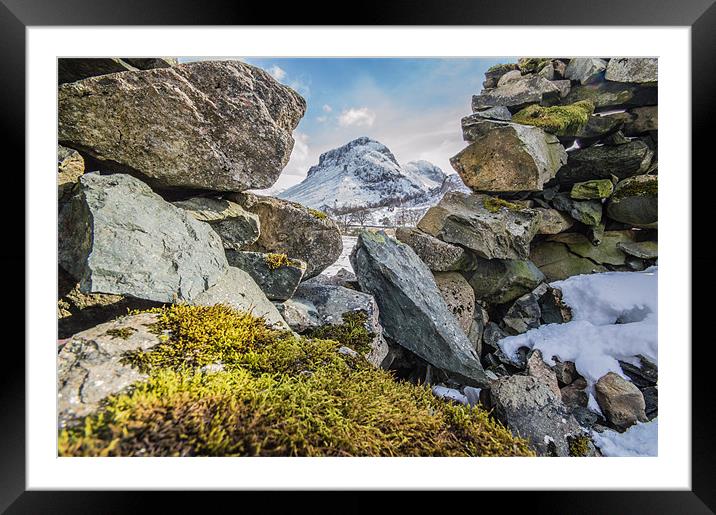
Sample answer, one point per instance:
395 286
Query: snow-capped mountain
364 173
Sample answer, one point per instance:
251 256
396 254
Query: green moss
501 69
578 445
594 189
122 332
561 120
532 64
317 214
277 395
634 188
351 332
494 204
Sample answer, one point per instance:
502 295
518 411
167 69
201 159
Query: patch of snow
472 394
444 392
637 441
614 318
349 242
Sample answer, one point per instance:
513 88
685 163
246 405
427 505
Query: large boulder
494 73
565 120
440 256
412 311
603 161
212 125
585 70
238 290
518 94
333 306
236 226
557 262
458 296
636 201
613 95
498 281
530 409
90 365
490 227
70 167
118 236
621 401
295 230
633 69
510 158
276 274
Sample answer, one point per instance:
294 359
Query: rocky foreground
194 318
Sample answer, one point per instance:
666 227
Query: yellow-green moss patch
494 204
317 214
561 120
351 332
578 445
501 68
122 332
532 64
277 395
635 188
274 261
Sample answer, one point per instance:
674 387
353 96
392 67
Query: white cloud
327 108
321 119
359 117
277 72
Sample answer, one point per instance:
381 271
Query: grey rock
492 113
586 70
499 281
621 401
531 410
333 302
585 417
589 212
547 72
518 94
117 236
612 95
477 328
212 125
640 249
636 202
343 277
606 253
524 314
566 372
600 125
464 220
412 311
508 77
643 120
147 63
651 402
70 167
90 368
238 290
236 226
564 87
277 282
556 262
634 69
537 368
458 296
476 126
493 334
554 310
509 159
575 394
645 375
300 314
553 221
440 256
295 230
492 76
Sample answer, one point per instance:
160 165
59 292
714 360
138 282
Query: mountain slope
364 173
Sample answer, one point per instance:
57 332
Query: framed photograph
416 252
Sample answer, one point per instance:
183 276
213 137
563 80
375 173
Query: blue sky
412 105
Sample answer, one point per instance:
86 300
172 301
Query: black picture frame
700 15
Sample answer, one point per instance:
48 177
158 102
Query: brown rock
621 402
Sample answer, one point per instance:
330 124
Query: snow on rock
637 441
444 392
614 318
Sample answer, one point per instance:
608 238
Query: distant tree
385 221
360 216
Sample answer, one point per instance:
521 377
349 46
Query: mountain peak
364 173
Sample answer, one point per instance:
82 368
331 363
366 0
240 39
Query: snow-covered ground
614 319
343 260
639 440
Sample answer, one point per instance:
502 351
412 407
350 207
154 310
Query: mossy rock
273 394
635 201
565 120
532 64
592 190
